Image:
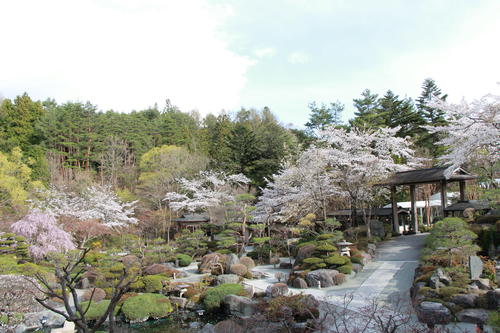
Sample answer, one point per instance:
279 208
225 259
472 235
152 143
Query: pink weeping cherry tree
43 234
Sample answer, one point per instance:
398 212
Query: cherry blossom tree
345 165
358 159
472 134
298 189
43 233
93 203
209 189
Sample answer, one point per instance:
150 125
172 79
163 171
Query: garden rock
304 252
69 327
211 262
439 279
231 259
240 306
493 299
97 296
433 313
208 328
357 268
483 284
227 326
155 269
16 294
52 319
249 290
366 258
226 278
178 302
285 265
377 228
465 300
299 283
476 267
371 248
277 289
476 316
321 278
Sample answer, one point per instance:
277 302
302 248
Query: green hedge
184 259
96 310
214 296
146 306
346 269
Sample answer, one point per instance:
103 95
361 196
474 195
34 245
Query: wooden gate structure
413 178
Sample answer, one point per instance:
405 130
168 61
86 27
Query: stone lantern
344 248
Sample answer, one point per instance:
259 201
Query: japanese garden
161 220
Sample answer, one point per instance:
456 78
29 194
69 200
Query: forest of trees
141 154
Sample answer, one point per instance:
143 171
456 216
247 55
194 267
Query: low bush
346 269
96 310
494 320
184 259
357 260
213 297
146 306
448 292
153 283
312 261
325 236
337 260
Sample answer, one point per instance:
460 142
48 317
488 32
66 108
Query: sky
213 55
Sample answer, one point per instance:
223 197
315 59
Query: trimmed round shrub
326 248
97 310
184 259
248 262
339 278
357 260
337 260
313 261
239 269
346 269
146 306
153 283
213 297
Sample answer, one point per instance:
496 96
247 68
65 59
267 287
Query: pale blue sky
211 55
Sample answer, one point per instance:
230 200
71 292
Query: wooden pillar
462 190
444 197
394 204
413 208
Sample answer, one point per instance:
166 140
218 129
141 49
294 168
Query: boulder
230 260
247 261
69 327
155 269
357 268
212 263
97 296
208 328
321 278
240 306
377 228
483 284
129 260
304 252
371 249
299 283
465 300
439 279
16 294
227 326
226 278
51 319
258 274
476 316
493 299
249 290
433 313
277 289
285 265
366 257
415 289
475 267
178 302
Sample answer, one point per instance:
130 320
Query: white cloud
264 52
121 54
298 57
